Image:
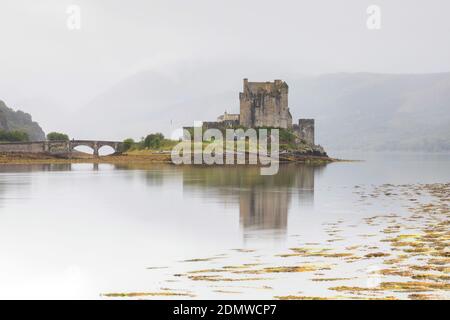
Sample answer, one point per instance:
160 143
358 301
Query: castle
265 104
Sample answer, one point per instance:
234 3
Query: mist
58 74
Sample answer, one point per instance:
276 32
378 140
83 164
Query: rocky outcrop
304 149
21 121
305 153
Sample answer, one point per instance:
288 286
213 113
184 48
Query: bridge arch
106 149
80 143
97 145
82 148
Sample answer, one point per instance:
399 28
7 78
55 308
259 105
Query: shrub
128 144
154 140
13 136
57 136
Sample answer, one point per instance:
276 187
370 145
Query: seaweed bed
410 252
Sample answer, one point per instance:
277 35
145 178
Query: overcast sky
44 65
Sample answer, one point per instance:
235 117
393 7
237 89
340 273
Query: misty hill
361 111
152 102
18 120
376 111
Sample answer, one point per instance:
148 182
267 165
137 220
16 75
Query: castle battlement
265 104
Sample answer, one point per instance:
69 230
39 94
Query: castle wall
246 115
306 130
222 126
228 117
265 104
228 124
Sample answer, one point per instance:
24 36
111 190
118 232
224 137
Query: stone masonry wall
30 147
265 104
306 130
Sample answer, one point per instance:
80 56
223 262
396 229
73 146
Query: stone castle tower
305 130
265 104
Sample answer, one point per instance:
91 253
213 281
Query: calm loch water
83 230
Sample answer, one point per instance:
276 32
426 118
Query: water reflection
17 168
155 174
264 201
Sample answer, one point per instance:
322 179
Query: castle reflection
263 201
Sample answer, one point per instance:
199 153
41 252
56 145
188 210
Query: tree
154 140
13 136
57 136
127 144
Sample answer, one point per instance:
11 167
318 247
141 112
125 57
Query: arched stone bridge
69 146
59 146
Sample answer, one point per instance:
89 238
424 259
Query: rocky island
264 105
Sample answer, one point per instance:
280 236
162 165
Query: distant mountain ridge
382 112
18 120
353 111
